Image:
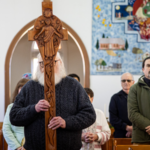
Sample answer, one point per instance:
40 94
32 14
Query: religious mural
120 36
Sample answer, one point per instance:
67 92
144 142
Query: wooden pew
1 136
132 147
3 144
122 141
1 139
117 145
108 145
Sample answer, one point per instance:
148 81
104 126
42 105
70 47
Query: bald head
128 75
127 81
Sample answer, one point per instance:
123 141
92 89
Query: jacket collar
122 93
141 82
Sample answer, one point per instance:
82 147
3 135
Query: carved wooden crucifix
48 33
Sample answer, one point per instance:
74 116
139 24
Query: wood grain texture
125 144
132 147
1 125
122 141
1 139
48 33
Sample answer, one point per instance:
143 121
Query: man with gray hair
74 111
118 108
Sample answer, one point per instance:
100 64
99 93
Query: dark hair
143 63
74 76
20 83
89 92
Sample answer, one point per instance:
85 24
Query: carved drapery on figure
48 33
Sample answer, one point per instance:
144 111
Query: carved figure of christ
48 33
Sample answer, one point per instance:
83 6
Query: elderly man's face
146 69
56 64
126 81
41 66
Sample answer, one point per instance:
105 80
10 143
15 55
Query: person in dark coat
118 109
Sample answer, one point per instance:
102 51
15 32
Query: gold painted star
110 25
97 7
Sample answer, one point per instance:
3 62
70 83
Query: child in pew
98 133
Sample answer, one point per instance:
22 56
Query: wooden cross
48 33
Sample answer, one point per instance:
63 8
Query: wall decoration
120 36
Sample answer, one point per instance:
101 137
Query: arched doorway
20 35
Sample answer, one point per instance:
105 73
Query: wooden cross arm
32 33
65 34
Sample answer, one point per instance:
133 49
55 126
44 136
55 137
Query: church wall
77 14
21 62
72 58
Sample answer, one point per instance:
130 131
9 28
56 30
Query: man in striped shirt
98 133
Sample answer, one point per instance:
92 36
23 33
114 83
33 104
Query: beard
149 74
39 76
60 74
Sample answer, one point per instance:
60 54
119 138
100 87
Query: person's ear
92 99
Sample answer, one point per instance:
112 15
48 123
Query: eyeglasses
42 63
56 61
126 80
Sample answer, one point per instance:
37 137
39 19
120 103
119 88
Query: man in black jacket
73 110
118 109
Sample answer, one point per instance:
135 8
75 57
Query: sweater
118 114
101 129
139 110
12 134
72 104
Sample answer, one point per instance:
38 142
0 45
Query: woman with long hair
13 135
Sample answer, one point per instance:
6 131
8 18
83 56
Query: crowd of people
79 125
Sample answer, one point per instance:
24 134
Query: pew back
125 144
3 144
122 141
132 147
1 136
108 145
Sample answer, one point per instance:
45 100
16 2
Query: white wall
72 58
20 62
76 13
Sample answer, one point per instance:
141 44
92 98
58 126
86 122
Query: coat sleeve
103 132
133 110
115 121
9 136
85 115
20 114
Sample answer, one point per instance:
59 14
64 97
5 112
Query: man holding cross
74 111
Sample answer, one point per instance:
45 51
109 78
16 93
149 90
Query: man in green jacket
139 106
